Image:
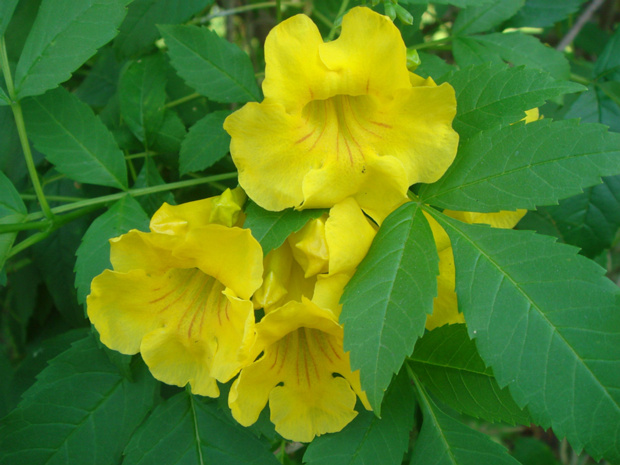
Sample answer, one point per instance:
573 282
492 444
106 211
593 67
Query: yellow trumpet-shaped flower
303 373
180 294
341 119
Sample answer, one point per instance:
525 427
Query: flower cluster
343 126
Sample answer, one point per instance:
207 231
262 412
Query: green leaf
149 176
530 451
185 430
515 47
101 82
594 106
12 210
142 92
214 67
608 64
271 229
590 220
65 34
74 139
93 255
5 99
491 95
448 364
433 66
55 257
386 303
485 17
368 439
138 32
446 441
7 7
170 134
525 165
547 321
206 143
80 407
542 13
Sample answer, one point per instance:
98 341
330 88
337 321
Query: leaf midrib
533 305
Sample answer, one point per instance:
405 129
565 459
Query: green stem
38 237
140 155
343 8
182 100
53 198
432 43
21 130
321 17
30 219
244 8
278 11
580 79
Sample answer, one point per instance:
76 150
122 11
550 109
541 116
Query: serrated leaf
446 441
271 229
492 95
93 255
213 66
432 65
515 47
547 321
7 7
12 210
206 143
485 17
386 303
142 94
590 220
74 139
525 165
80 406
448 364
542 13
64 35
531 451
185 430
138 31
368 439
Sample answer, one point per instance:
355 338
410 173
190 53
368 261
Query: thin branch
581 22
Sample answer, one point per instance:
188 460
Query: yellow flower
341 119
180 293
445 306
300 337
317 261
303 373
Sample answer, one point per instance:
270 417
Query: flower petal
370 56
123 309
294 73
416 128
230 255
173 359
445 306
348 234
503 219
309 247
152 252
265 146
